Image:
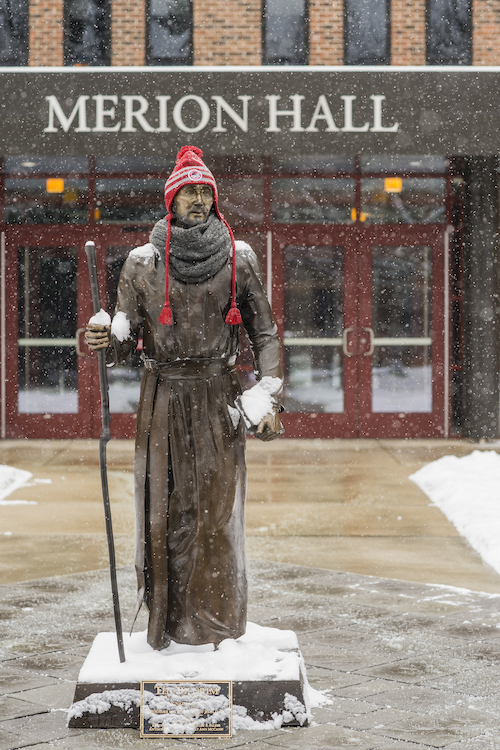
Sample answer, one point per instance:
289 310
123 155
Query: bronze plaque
186 708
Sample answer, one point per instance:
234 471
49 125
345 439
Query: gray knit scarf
196 253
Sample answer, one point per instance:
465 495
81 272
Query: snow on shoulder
243 248
144 252
466 490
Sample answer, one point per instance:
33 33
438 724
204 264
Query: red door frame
358 420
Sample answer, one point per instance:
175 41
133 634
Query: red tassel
165 316
233 318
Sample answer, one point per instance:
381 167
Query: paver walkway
408 666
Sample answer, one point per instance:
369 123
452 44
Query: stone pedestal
265 666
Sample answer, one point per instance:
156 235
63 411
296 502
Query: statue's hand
97 336
270 426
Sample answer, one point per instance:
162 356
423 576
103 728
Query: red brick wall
227 33
128 32
326 32
486 32
408 32
46 32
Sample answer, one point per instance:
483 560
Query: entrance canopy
143 111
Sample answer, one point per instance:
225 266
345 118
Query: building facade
355 146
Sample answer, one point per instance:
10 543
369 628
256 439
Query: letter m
79 109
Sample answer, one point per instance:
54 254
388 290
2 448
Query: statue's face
193 203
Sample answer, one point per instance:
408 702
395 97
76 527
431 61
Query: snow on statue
188 290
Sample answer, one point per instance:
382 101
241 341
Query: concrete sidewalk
337 504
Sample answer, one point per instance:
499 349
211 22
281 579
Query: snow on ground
467 491
12 479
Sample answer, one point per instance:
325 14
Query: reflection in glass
87 32
124 200
51 165
169 28
285 32
413 201
47 311
366 32
312 200
314 164
13 32
314 291
125 380
399 164
27 201
402 327
241 200
449 32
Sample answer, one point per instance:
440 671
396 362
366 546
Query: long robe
190 474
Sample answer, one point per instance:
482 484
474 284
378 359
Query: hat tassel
166 314
233 317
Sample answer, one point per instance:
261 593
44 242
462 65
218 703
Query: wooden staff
104 439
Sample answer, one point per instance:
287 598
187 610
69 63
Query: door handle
79 351
346 333
371 346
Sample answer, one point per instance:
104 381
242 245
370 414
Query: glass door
402 374
313 289
362 315
48 372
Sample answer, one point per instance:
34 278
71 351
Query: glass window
51 201
13 32
56 165
285 32
87 32
315 164
399 164
314 304
397 200
47 323
312 200
402 327
133 165
241 200
170 32
449 32
366 32
129 201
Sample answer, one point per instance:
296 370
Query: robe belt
193 368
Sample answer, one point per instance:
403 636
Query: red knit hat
190 170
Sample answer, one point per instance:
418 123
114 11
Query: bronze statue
187 290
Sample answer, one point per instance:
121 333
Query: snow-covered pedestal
265 666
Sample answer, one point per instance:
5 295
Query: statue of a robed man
188 290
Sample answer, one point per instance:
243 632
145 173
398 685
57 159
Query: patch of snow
235 415
259 400
144 252
120 327
466 490
102 318
99 703
261 654
12 479
18 502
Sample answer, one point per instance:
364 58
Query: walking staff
105 437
